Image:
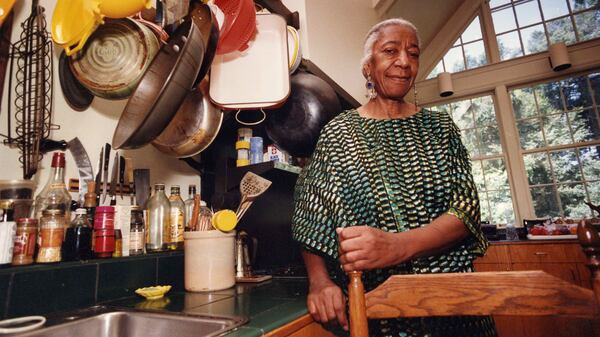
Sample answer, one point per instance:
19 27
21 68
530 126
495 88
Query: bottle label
136 241
177 225
58 185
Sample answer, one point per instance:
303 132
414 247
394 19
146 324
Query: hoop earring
370 86
415 92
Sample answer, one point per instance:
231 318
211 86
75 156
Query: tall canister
209 260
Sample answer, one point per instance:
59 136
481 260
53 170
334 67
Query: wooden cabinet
304 326
563 259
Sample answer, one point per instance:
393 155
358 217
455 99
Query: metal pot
162 89
205 20
194 127
115 58
295 126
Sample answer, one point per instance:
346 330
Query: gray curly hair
373 36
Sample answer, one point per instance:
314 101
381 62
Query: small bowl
153 293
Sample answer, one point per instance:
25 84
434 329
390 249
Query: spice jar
52 232
118 244
137 237
104 231
24 247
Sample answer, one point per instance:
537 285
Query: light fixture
559 56
445 84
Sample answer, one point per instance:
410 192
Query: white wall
94 127
332 35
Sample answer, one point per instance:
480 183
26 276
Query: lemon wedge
153 293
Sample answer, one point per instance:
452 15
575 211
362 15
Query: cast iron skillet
296 125
162 89
77 96
205 20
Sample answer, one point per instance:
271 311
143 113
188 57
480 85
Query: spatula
251 186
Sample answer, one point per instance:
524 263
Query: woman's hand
364 247
326 302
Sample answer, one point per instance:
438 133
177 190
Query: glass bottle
136 232
52 232
55 194
157 221
8 228
177 221
90 202
189 206
78 238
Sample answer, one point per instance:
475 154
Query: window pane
548 98
576 93
469 139
528 13
565 166
438 69
530 133
585 125
504 20
509 45
594 191
582 4
523 103
556 129
534 39
595 82
475 54
483 109
554 8
545 202
457 42
490 140
502 208
588 24
463 115
473 32
561 30
477 172
454 60
590 160
572 197
495 174
496 3
538 168
485 207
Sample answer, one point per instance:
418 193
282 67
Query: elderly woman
388 191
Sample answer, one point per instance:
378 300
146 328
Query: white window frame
498 78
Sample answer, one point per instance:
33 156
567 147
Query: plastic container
256 150
209 261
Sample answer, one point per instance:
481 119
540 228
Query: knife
84 166
121 175
99 176
129 179
105 171
114 178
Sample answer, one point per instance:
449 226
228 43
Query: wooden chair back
526 293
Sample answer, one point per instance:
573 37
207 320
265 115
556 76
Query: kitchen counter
267 306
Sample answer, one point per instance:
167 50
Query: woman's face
395 62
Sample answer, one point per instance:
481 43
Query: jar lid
27 221
105 209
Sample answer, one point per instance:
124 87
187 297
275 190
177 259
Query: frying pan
296 125
194 127
209 28
162 89
76 95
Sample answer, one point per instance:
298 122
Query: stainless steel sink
105 321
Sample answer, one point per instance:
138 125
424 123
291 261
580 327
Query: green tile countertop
267 306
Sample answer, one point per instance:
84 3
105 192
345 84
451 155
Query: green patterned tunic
395 175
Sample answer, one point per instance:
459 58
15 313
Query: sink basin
105 321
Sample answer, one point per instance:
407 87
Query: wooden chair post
356 302
590 243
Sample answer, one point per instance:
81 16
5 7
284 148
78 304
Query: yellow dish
117 9
72 34
153 293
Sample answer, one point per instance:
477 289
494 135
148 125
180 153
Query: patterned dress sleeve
317 204
464 201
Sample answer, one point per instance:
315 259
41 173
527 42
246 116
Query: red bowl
239 25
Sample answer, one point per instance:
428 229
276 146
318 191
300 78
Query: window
467 52
477 121
525 27
559 131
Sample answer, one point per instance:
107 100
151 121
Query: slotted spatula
251 186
